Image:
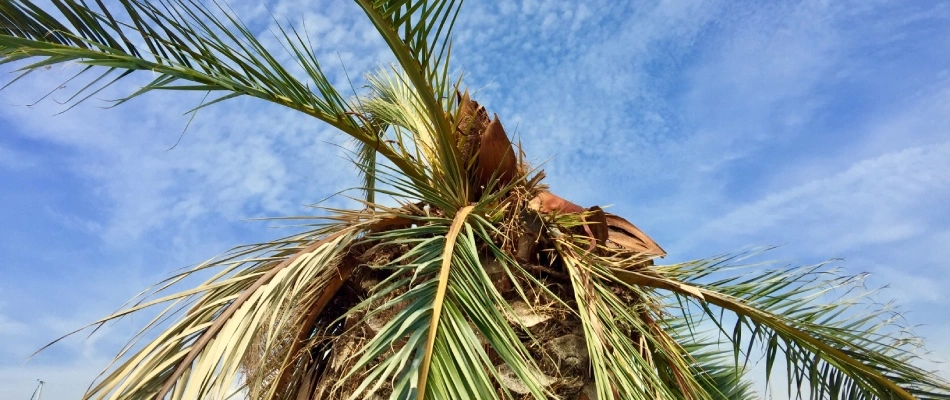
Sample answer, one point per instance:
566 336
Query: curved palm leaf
834 349
190 47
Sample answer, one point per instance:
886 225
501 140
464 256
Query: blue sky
715 126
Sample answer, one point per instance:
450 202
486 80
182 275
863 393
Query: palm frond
188 45
713 365
631 356
419 34
442 308
261 306
832 348
394 99
413 134
717 376
448 250
202 352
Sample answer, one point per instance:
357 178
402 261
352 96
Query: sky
715 126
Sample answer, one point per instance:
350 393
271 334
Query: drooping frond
714 370
211 50
198 355
261 305
713 365
631 355
839 348
443 331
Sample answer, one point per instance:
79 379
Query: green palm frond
211 50
717 375
190 47
632 357
414 135
840 347
715 370
196 48
419 35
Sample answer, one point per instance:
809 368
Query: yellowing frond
395 101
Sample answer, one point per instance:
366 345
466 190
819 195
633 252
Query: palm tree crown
480 284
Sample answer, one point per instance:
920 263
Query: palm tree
480 283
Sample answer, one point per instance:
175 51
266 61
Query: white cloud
913 288
584 93
231 160
874 202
